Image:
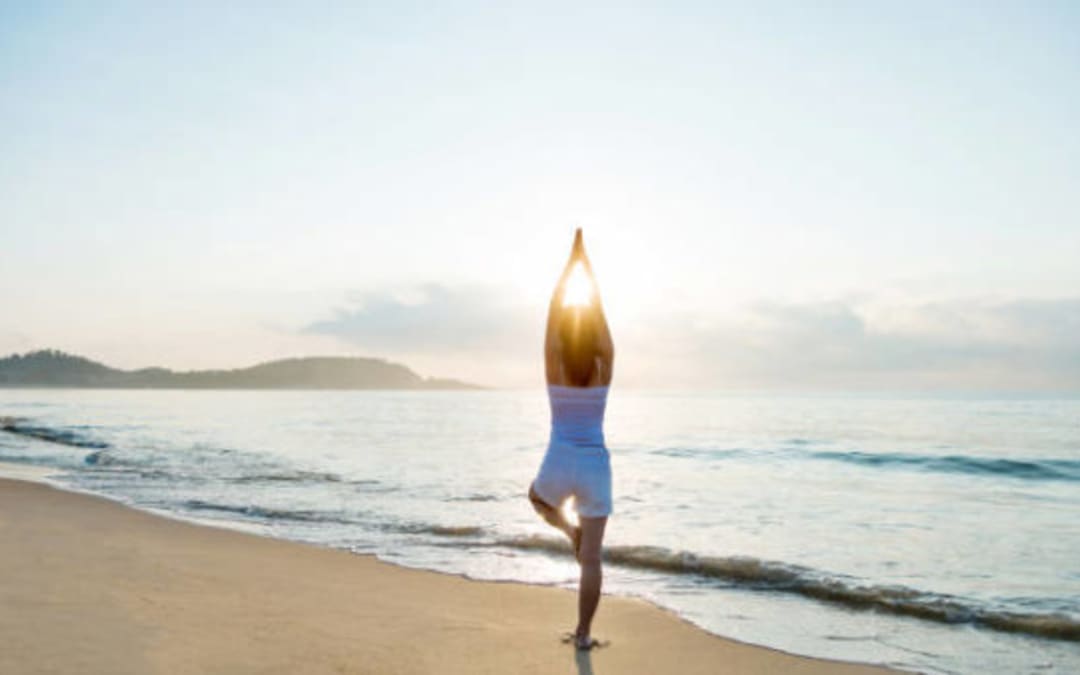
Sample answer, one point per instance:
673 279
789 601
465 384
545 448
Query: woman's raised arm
605 344
555 312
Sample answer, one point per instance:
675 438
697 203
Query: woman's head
579 338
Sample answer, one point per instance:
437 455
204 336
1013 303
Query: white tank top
577 415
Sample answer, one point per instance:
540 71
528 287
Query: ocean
932 534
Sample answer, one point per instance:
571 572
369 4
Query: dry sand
91 586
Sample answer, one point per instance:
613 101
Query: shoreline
128 590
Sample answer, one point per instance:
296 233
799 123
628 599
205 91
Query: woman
578 357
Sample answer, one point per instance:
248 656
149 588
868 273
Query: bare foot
583 642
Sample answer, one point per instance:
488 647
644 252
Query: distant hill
50 368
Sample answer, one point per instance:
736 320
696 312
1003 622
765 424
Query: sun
579 288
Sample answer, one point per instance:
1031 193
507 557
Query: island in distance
50 368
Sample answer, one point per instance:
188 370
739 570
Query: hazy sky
868 196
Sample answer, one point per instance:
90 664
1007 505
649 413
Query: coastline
92 585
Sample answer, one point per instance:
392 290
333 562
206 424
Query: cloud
1023 344
1018 344
433 319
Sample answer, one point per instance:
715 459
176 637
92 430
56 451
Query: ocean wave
709 453
757 574
267 513
60 435
56 461
1023 469
320 516
477 497
1033 469
440 530
99 457
122 475
291 476
107 461
158 466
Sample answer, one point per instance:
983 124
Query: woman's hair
578 338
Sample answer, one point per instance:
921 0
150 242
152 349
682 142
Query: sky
869 196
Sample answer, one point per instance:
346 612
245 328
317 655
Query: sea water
931 534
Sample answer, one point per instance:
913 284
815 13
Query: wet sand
91 586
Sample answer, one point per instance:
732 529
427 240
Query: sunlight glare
579 289
569 512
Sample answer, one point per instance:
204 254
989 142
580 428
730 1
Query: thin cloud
961 344
1024 344
436 319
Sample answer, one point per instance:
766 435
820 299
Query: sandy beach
91 586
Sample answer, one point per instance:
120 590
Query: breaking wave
266 513
1033 469
60 435
757 574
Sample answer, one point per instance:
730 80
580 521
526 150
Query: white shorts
581 473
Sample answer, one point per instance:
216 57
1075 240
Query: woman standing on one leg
578 357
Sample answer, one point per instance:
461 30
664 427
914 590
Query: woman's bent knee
541 507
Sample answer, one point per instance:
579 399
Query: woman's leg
592 539
555 518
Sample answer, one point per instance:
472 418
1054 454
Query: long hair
578 337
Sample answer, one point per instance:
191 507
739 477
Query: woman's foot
585 643
582 642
